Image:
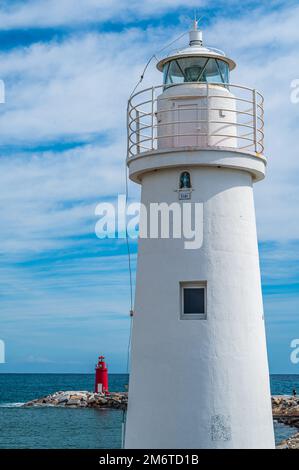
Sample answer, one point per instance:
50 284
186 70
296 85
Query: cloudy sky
68 68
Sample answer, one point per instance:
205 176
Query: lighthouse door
191 123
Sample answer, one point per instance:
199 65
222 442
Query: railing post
137 131
208 115
128 130
254 120
153 120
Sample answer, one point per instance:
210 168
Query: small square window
193 300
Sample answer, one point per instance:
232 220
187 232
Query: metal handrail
144 119
223 85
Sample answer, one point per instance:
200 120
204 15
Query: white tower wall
201 383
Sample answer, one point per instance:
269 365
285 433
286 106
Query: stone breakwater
290 443
75 399
285 410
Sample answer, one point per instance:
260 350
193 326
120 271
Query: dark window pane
196 69
175 73
212 72
194 300
185 180
223 67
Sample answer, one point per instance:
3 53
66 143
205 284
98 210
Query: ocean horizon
62 428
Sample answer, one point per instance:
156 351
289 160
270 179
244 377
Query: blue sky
68 68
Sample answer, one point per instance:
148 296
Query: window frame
223 75
180 176
193 285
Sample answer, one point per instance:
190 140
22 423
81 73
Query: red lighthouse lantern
101 378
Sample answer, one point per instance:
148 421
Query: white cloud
71 12
76 90
48 199
78 87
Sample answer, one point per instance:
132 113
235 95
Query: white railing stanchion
137 131
254 120
153 120
128 131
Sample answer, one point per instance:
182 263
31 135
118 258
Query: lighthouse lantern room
199 324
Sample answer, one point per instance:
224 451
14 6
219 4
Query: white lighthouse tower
199 371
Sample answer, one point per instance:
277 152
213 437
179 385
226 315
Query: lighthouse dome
196 63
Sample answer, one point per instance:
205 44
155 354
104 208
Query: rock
276 401
71 402
102 401
282 445
290 443
63 399
75 397
30 403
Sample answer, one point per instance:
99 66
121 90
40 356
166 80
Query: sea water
62 428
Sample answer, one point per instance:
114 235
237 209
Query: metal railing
215 115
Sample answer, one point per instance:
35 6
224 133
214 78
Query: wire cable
154 56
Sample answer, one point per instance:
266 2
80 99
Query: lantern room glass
195 69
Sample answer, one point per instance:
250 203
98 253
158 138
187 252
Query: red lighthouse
101 379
